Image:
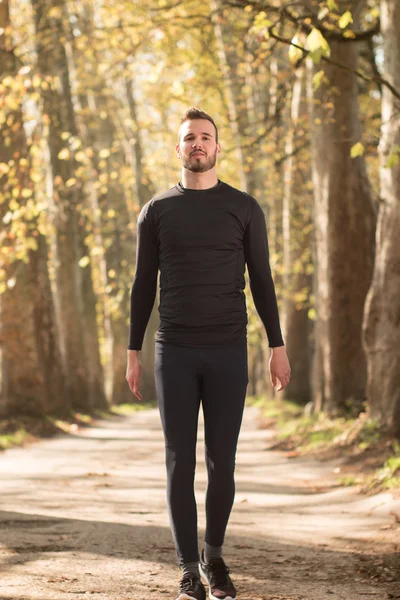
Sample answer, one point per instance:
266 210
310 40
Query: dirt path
84 516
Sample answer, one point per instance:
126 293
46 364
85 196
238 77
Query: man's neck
199 181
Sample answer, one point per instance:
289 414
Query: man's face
197 147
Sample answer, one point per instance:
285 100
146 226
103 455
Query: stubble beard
197 166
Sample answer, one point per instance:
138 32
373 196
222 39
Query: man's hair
194 113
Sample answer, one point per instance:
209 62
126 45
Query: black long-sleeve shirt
201 240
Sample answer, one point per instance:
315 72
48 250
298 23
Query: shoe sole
210 595
186 597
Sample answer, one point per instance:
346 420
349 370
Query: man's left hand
279 368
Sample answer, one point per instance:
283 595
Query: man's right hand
133 370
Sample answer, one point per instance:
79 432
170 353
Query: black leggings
183 377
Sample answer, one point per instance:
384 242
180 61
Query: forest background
306 96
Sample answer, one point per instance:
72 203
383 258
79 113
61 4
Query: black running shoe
216 573
191 588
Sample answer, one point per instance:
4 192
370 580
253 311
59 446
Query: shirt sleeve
144 285
261 282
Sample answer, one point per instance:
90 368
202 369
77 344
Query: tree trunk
32 381
145 191
76 301
382 309
296 242
344 225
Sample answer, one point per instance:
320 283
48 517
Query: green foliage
387 477
394 157
314 431
348 480
16 438
369 434
127 409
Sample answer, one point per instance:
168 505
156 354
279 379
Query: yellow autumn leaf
105 153
357 150
64 154
317 45
317 79
316 41
84 261
55 12
294 53
345 20
4 168
36 177
70 182
26 193
31 243
36 80
80 156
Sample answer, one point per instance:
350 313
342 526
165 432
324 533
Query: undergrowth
23 429
360 441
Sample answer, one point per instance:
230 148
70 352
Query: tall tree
76 301
296 227
382 309
32 378
344 228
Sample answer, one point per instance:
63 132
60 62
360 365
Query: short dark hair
194 113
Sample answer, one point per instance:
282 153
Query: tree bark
74 288
32 381
144 192
382 309
344 228
296 230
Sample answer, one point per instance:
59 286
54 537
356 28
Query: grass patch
129 408
16 438
348 480
372 456
23 429
388 476
280 410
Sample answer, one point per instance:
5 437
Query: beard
200 164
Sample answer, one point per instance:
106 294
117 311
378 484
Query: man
200 234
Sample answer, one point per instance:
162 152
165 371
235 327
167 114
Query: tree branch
335 63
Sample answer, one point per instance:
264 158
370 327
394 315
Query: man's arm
261 282
263 291
143 292
144 285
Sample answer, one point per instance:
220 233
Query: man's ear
177 149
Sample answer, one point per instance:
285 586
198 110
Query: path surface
84 516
